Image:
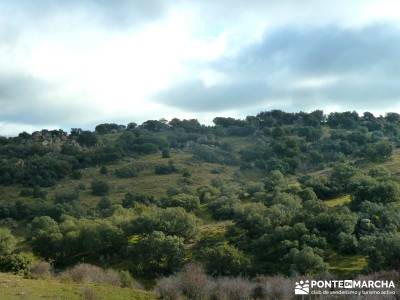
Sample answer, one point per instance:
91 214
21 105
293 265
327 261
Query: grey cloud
193 95
25 99
365 61
114 14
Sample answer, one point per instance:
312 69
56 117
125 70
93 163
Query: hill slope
14 287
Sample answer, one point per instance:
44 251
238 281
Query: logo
344 287
302 288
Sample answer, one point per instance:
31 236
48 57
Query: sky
78 63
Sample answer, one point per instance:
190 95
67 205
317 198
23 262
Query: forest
268 198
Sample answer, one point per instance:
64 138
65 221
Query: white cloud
105 62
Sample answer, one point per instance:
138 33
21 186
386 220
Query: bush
165 169
276 287
67 196
76 174
194 282
131 198
126 172
7 242
188 202
165 153
103 170
191 283
19 264
86 273
157 253
41 270
89 293
224 259
37 192
26 193
168 288
232 288
100 188
171 221
128 281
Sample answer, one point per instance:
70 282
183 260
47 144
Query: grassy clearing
338 201
146 182
16 288
393 164
347 264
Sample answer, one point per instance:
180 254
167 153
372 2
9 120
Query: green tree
171 221
7 242
224 259
157 254
307 262
100 188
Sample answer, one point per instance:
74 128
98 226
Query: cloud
306 67
116 14
27 100
81 62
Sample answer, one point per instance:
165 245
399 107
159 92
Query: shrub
194 282
126 172
276 287
67 196
157 253
76 174
37 192
86 273
168 288
104 203
41 270
128 281
16 263
100 188
7 242
131 198
171 221
165 153
165 169
224 259
26 193
89 293
188 202
232 288
103 170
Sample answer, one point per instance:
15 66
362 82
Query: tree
224 259
171 221
379 151
86 138
7 242
188 202
165 153
108 128
154 125
306 262
275 181
46 237
100 188
103 170
131 126
133 198
157 254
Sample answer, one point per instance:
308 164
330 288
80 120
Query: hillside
15 288
276 193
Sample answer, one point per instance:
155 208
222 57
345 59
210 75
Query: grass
338 201
347 264
393 164
146 182
17 288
